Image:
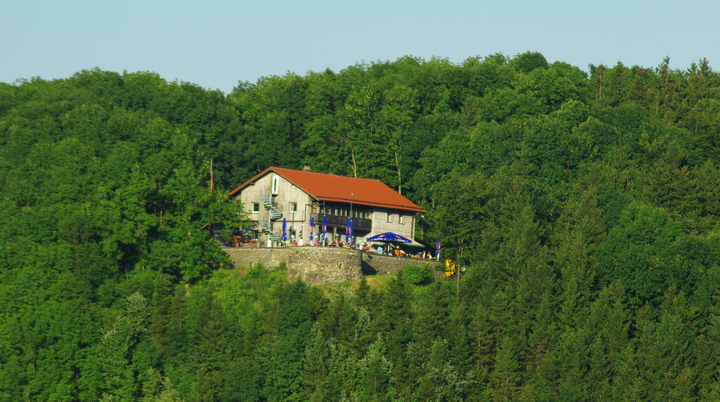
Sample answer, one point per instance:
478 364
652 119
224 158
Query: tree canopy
582 206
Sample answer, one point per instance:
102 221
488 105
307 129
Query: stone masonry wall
322 265
315 265
376 264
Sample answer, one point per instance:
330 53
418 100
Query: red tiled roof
329 187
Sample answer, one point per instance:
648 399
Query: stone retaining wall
376 264
322 265
315 265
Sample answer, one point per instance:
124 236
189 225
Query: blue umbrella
390 237
284 230
324 228
348 230
312 227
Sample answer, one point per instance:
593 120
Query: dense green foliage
585 208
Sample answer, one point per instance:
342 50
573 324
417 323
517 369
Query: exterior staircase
274 212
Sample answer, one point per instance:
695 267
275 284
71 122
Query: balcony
337 221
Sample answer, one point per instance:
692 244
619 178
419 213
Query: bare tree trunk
397 165
354 162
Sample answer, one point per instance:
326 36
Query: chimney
306 169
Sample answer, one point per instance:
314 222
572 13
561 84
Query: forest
584 205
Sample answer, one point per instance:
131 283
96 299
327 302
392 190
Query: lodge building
302 196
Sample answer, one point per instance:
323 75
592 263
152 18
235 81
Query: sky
217 44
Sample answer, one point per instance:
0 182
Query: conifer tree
579 232
505 379
375 371
314 371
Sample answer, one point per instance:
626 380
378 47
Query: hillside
584 206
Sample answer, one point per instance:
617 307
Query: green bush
418 274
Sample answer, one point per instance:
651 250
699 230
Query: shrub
418 274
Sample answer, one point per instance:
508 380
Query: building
301 195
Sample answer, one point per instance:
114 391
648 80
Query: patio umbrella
324 229
389 237
312 227
348 230
284 231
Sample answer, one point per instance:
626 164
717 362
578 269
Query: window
293 207
256 207
389 217
401 219
275 185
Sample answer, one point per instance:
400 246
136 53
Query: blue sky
216 44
